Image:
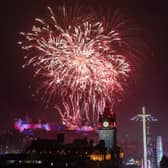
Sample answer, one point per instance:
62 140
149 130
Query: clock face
105 124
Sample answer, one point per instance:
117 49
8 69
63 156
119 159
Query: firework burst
80 63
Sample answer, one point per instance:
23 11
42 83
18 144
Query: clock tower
107 128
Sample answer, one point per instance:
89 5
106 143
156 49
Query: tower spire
144 118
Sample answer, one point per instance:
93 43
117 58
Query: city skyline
148 90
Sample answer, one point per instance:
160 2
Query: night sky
150 88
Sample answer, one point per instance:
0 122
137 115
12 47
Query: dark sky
150 88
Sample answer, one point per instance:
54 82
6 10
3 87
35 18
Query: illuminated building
49 153
159 150
23 125
107 128
150 150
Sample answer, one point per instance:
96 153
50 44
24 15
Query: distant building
159 150
150 150
52 153
107 129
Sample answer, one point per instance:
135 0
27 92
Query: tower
107 128
144 118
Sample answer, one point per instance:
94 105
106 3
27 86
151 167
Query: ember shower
82 61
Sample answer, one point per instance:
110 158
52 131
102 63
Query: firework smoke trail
80 65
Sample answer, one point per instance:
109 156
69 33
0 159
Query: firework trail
80 63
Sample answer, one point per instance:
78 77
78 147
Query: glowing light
23 125
81 64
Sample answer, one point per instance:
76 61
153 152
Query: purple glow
22 125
